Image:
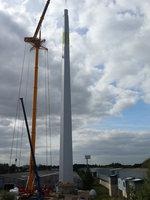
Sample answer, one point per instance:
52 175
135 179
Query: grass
102 192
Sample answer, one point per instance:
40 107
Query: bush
87 179
6 196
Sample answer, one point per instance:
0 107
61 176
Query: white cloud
111 146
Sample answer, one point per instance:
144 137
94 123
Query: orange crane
37 43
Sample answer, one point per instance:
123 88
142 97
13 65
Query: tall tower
66 161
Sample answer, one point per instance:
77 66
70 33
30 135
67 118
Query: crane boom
41 19
37 44
32 151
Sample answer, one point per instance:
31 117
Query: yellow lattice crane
37 43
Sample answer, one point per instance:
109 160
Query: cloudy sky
110 79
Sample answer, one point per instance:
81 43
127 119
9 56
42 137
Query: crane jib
41 19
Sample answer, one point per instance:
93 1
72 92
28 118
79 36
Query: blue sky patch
82 31
135 118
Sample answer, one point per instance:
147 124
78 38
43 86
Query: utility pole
87 157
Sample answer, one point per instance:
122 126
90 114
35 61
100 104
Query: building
130 179
125 186
119 181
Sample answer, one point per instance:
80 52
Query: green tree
87 179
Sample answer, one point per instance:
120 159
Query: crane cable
49 108
46 102
18 129
47 112
17 106
25 99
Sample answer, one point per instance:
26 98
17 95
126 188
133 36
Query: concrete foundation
66 188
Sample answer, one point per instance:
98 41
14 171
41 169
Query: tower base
66 188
